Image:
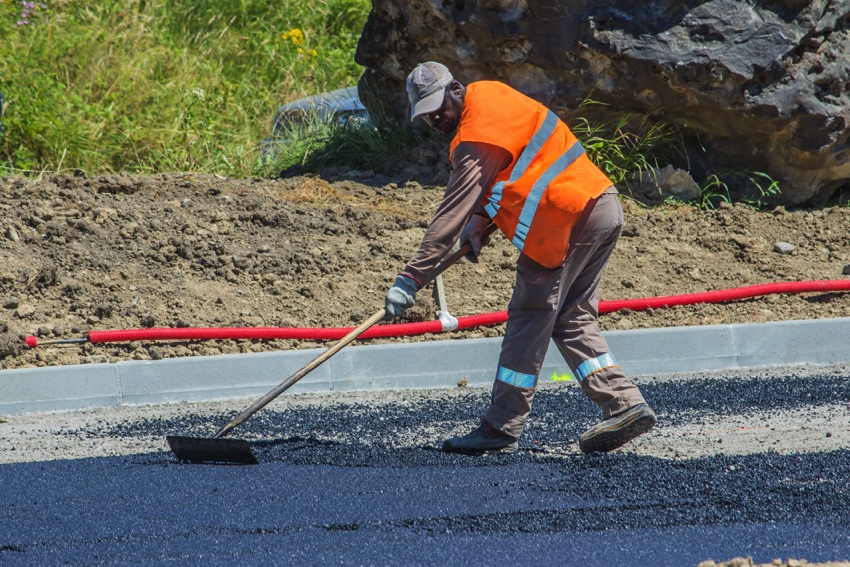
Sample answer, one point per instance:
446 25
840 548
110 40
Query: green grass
757 187
317 143
625 142
150 86
146 86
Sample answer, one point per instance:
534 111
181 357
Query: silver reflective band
592 365
518 379
529 208
529 153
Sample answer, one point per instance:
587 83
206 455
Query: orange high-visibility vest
538 198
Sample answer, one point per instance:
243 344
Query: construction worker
516 164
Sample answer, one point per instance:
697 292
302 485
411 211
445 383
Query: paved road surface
739 464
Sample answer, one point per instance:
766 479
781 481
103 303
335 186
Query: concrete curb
435 364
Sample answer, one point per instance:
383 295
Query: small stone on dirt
10 345
631 231
783 247
157 352
25 311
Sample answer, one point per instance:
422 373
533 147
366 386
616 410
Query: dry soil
81 253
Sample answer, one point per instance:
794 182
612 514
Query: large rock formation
759 85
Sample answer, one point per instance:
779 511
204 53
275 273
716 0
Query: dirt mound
86 253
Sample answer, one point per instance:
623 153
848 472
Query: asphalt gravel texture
367 484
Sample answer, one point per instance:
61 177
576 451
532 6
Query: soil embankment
86 253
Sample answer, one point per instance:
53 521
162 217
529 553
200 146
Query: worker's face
446 118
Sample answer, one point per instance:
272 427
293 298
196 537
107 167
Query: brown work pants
562 304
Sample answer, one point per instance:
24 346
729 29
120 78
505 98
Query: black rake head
201 450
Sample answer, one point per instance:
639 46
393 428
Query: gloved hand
473 234
400 296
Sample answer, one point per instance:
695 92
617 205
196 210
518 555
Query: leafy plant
713 192
765 188
757 187
627 143
841 198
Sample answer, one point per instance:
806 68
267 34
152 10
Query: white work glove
473 234
400 296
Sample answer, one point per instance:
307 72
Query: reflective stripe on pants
561 304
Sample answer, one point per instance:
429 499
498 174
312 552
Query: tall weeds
625 142
141 86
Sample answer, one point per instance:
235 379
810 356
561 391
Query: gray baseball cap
425 87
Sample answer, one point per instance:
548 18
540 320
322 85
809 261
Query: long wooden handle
286 384
344 341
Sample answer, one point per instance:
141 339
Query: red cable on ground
724 295
467 322
304 333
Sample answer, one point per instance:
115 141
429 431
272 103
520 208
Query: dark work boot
482 439
617 430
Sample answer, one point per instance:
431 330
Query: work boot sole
615 432
510 448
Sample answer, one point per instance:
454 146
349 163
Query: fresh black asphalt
337 485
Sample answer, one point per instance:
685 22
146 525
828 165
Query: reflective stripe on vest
532 201
518 379
524 160
592 365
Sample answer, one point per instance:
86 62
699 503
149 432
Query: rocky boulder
751 85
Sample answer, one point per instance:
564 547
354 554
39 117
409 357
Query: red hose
467 322
306 333
722 295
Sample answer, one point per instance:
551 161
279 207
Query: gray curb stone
435 364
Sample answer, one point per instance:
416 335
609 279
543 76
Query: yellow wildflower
313 53
296 36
